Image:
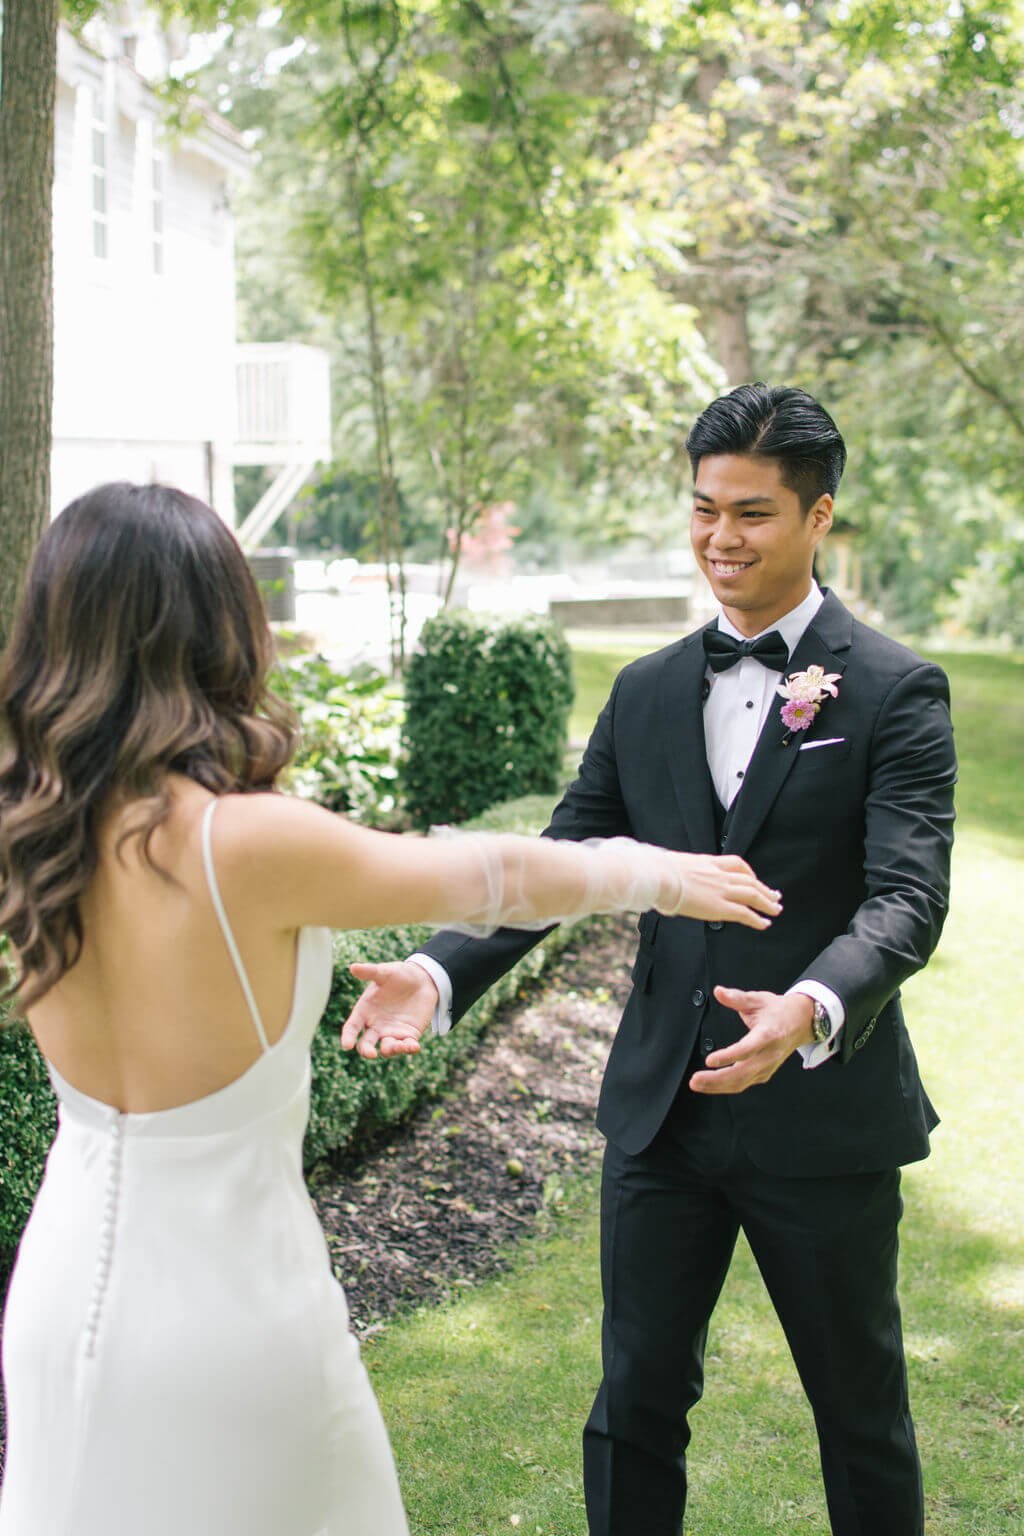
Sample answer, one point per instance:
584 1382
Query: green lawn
485 1398
597 657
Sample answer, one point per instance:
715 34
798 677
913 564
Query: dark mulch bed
439 1203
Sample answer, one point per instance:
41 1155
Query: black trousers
826 1248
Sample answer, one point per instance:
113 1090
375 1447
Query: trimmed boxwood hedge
487 701
351 1098
28 1120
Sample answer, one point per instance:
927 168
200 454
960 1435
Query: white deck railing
284 403
284 419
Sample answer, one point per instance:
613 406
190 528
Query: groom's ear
820 516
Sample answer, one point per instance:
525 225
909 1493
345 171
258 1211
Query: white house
144 294
148 382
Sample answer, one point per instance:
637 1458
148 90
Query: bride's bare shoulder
265 814
251 829
242 825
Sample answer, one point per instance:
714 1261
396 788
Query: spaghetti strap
222 918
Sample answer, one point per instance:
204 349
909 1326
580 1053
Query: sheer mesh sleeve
531 882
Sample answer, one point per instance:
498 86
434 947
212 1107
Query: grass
597 657
485 1398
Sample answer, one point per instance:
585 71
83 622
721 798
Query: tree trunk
732 340
28 85
392 545
725 319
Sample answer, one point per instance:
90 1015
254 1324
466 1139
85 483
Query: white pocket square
832 741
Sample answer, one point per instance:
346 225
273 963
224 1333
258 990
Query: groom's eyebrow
744 501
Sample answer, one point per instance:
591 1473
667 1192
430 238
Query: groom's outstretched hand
394 1011
776 1025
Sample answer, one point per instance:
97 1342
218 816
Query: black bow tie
723 651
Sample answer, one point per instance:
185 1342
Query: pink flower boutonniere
805 693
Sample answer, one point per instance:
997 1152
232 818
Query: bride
176 1350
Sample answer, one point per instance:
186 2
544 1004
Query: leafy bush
351 1098
351 737
28 1115
487 710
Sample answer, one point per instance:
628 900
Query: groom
757 1081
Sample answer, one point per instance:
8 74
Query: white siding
144 359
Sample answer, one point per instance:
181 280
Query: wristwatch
821 1023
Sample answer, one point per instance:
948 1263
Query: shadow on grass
963 1300
512 1367
754 1459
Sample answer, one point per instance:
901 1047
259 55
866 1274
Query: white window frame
99 178
158 209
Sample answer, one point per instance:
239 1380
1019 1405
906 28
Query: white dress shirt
741 699
737 706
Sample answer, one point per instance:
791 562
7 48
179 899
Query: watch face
822 1030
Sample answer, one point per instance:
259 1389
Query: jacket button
707 1045
698 997
716 927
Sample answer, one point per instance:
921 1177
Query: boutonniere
805 692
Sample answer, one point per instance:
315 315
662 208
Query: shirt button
739 773
716 927
750 703
698 997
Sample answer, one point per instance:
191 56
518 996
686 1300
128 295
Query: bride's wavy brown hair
140 648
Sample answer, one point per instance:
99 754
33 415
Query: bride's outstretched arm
295 864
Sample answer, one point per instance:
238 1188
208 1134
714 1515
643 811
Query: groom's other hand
393 1012
776 1025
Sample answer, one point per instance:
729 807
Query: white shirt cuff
815 1054
441 1023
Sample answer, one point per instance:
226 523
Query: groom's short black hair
774 422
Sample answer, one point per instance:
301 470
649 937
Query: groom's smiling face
752 538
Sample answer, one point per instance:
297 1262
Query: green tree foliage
553 196
849 178
536 237
519 341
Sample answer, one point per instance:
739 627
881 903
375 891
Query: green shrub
487 709
351 743
351 1098
28 1120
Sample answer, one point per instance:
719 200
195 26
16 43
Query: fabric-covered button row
105 1244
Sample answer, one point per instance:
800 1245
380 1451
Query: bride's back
152 1015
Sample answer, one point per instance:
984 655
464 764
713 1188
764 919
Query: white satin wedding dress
176 1350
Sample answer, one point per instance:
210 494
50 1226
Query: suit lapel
681 701
825 643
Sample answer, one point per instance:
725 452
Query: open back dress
176 1350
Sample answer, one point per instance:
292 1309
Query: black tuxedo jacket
857 836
